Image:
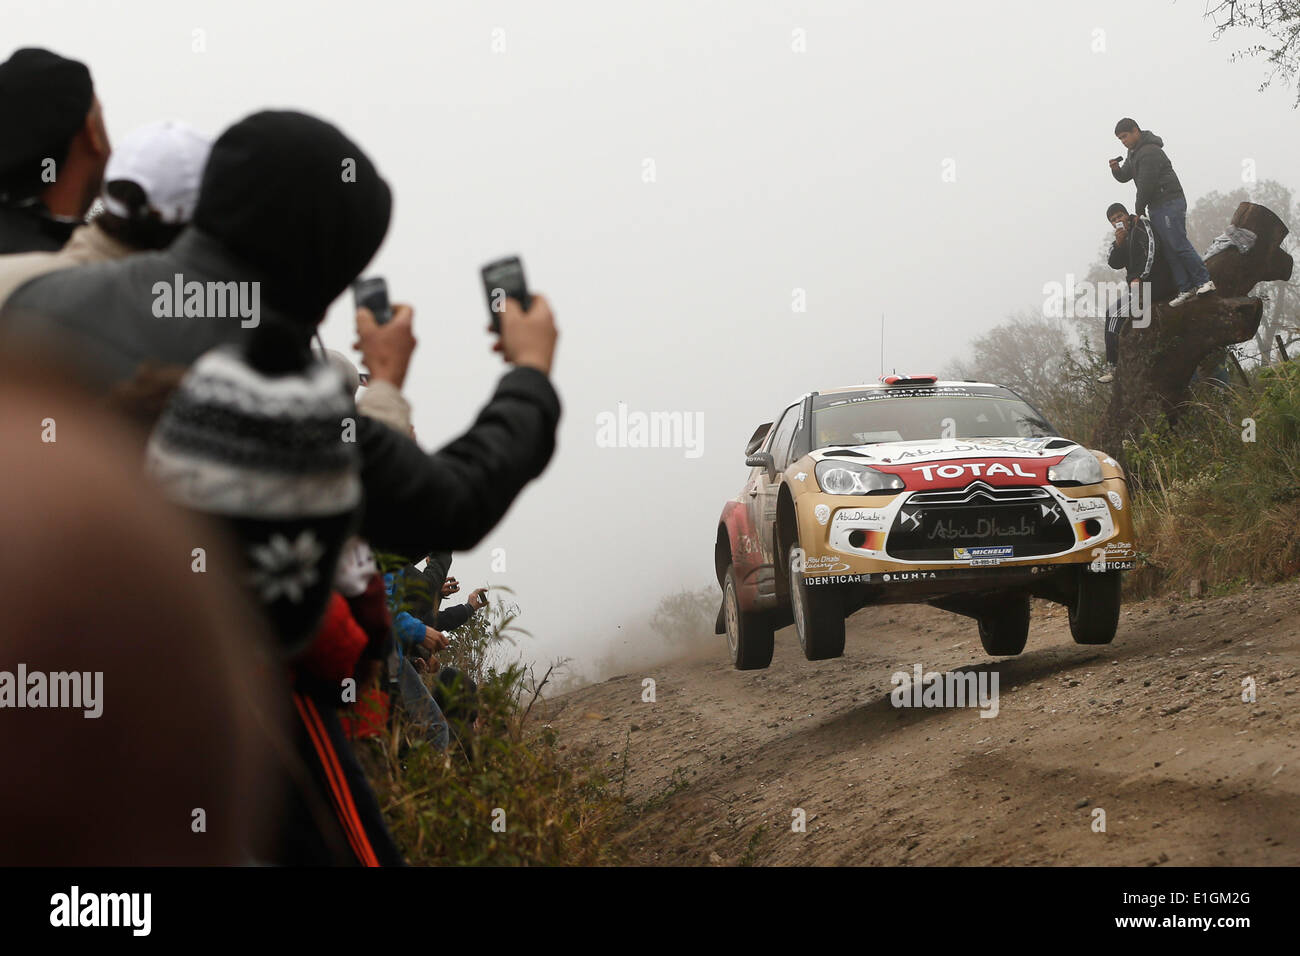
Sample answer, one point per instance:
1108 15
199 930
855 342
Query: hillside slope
1152 729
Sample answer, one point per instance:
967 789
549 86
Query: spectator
426 600
53 147
191 710
1159 190
253 440
244 439
409 632
1137 251
453 617
273 209
150 188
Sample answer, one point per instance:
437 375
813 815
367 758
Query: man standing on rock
1160 192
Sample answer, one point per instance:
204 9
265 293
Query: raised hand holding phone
502 280
372 294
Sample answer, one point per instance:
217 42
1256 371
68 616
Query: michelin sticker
969 554
1115 500
822 513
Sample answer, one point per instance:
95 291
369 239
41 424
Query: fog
676 176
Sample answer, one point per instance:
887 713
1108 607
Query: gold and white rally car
955 494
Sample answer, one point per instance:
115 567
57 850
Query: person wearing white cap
151 186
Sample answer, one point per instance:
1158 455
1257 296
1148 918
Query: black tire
1004 629
818 615
749 633
1094 613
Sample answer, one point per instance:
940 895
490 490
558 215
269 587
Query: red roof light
909 379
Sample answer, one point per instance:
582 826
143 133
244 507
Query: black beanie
300 202
44 99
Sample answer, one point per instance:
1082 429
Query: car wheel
749 633
1003 631
818 614
1094 614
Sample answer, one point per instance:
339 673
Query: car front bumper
914 538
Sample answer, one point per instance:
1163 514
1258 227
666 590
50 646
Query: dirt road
1152 730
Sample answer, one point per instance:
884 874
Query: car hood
948 449
954 463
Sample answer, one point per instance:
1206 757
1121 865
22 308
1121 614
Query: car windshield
905 413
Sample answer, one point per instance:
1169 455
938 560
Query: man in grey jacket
1161 194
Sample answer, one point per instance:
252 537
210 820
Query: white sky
775 170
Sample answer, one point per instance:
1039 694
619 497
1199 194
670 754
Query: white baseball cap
166 160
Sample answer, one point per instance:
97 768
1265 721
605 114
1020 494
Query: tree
1280 19
1025 352
1038 356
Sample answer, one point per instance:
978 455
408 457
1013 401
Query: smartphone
1118 159
504 279
372 294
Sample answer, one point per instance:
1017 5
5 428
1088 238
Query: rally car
955 494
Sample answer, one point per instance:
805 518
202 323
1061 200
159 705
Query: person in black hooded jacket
290 204
1138 251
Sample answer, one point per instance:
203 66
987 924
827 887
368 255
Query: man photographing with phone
1160 193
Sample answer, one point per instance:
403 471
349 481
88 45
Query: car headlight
1079 466
847 478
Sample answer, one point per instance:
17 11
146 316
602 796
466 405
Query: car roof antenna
882 344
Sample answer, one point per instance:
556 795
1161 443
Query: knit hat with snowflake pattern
270 454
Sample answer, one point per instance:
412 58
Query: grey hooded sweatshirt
1157 183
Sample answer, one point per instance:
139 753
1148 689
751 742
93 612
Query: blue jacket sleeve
408 629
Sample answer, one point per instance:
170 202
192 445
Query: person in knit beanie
254 435
264 450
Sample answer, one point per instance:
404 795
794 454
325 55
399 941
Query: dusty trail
1152 729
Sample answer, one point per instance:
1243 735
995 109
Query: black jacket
100 318
29 228
1147 164
1142 259
424 601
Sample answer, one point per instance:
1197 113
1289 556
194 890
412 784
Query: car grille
933 523
978 491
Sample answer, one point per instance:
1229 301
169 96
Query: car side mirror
761 459
756 439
